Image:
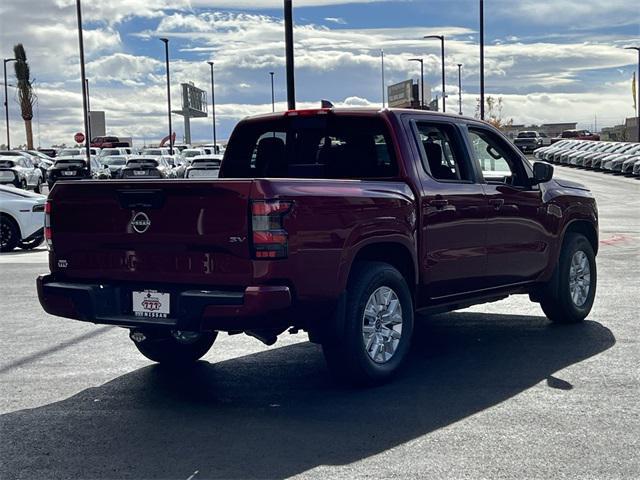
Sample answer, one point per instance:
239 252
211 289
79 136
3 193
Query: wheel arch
585 228
395 254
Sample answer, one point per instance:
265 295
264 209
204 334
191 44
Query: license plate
68 173
151 304
139 173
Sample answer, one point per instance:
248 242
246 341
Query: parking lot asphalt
494 391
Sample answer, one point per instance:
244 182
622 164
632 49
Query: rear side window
318 146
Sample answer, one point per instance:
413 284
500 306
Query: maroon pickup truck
341 223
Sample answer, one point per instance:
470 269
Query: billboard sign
401 94
194 100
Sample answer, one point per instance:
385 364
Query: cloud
339 21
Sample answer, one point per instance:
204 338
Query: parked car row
616 157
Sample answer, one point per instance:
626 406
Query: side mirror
542 172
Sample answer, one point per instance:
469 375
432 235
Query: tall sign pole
84 87
288 40
166 57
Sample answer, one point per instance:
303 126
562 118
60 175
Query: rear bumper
192 310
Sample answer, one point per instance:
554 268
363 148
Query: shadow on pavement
277 413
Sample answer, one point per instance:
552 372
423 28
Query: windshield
109 151
69 151
114 161
152 151
191 153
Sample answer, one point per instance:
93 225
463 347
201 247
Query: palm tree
26 97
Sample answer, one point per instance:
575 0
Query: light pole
444 93
460 88
6 100
273 95
637 95
481 59
213 109
83 79
88 109
288 41
382 68
166 56
421 79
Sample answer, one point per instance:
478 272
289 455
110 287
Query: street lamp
481 59
382 69
213 109
166 56
88 108
273 95
421 78
444 94
288 43
6 99
637 95
460 89
83 79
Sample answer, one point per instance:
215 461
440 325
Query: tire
350 350
561 302
23 185
165 349
9 233
31 244
38 187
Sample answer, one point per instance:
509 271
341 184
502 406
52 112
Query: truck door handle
439 203
496 203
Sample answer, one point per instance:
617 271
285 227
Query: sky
549 60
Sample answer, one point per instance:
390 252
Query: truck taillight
47 225
269 239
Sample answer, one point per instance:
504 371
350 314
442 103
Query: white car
75 152
20 172
106 152
21 219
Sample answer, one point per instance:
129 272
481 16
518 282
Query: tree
493 112
26 96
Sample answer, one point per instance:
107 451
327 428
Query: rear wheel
372 340
23 184
173 348
9 233
569 295
38 188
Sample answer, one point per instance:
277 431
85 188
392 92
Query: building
617 133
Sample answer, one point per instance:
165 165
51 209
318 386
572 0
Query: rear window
7 163
527 135
319 146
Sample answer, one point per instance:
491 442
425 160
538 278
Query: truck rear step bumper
192 310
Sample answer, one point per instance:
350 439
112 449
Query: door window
441 156
498 164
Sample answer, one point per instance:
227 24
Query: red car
341 223
576 135
108 142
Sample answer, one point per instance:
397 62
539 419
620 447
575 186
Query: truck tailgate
184 232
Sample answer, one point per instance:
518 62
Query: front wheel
173 348
38 187
569 295
24 185
372 337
